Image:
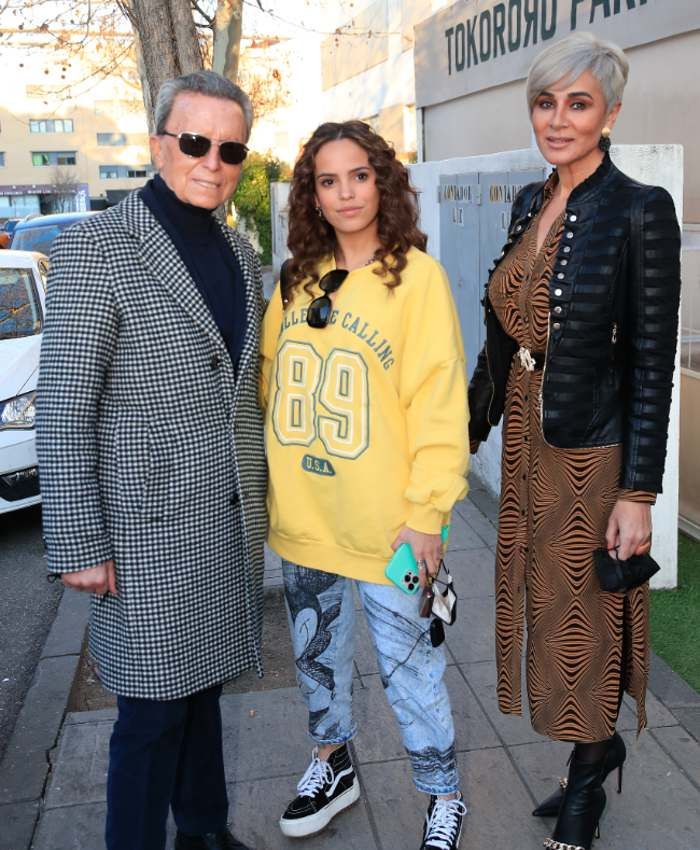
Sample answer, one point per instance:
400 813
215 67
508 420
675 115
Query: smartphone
403 570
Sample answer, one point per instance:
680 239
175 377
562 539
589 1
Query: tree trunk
185 33
227 38
167 44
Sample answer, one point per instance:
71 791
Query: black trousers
163 754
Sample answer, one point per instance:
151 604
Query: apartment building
70 138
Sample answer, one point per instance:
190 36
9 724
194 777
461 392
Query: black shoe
581 808
443 824
210 841
615 758
325 789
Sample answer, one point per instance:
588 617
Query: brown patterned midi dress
584 646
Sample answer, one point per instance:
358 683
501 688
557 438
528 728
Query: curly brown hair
311 237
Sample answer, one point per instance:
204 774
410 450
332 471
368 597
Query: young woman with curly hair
364 384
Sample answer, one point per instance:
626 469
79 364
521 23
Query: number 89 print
325 399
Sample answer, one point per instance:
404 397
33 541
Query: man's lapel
252 284
161 258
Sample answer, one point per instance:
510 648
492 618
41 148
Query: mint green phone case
403 570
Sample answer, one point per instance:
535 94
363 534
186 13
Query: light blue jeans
321 619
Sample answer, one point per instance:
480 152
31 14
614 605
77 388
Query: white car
22 300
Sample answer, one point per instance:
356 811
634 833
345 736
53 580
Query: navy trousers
164 754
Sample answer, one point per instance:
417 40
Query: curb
26 764
27 760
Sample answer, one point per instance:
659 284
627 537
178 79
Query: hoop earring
604 141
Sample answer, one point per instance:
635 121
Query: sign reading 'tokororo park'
477 44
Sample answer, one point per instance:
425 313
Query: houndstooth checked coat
151 453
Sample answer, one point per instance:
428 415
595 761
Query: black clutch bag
617 576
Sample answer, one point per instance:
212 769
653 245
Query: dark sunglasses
192 144
319 311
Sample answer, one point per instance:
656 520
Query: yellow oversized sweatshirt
366 419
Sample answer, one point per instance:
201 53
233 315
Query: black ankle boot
614 758
581 808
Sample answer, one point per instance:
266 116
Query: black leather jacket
613 325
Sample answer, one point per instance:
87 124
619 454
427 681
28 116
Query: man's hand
629 528
426 548
99 579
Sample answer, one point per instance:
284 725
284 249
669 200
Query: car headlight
18 412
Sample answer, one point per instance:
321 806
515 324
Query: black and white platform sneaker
325 789
443 824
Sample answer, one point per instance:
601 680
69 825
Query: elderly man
152 462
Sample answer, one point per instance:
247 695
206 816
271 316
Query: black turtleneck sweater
201 244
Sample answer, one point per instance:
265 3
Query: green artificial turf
675 616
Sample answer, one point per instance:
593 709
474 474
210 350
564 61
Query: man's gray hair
201 82
574 55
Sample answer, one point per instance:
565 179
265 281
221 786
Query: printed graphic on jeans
310 623
322 613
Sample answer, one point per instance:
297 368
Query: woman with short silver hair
581 315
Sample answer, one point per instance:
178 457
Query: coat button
556 326
557 310
563 262
518 228
573 217
215 361
234 500
557 292
570 234
567 249
560 276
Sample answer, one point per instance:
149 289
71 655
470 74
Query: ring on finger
422 564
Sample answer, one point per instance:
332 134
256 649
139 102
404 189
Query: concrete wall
658 164
660 106
279 212
690 384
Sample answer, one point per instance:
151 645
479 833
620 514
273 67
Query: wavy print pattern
583 646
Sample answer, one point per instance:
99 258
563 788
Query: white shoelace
444 823
318 774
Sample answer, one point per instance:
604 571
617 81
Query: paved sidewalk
506 767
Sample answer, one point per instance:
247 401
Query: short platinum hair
200 82
574 55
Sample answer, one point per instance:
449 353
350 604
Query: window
113 139
53 157
2 158
121 172
51 125
20 311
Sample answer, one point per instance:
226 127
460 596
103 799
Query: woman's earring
319 212
604 141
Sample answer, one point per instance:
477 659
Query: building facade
447 80
70 138
471 61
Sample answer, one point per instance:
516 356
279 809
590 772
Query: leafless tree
63 188
167 43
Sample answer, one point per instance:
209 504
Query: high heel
614 758
583 804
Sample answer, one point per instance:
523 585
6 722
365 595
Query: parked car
9 225
37 234
22 304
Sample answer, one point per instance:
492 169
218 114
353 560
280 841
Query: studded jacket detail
614 298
